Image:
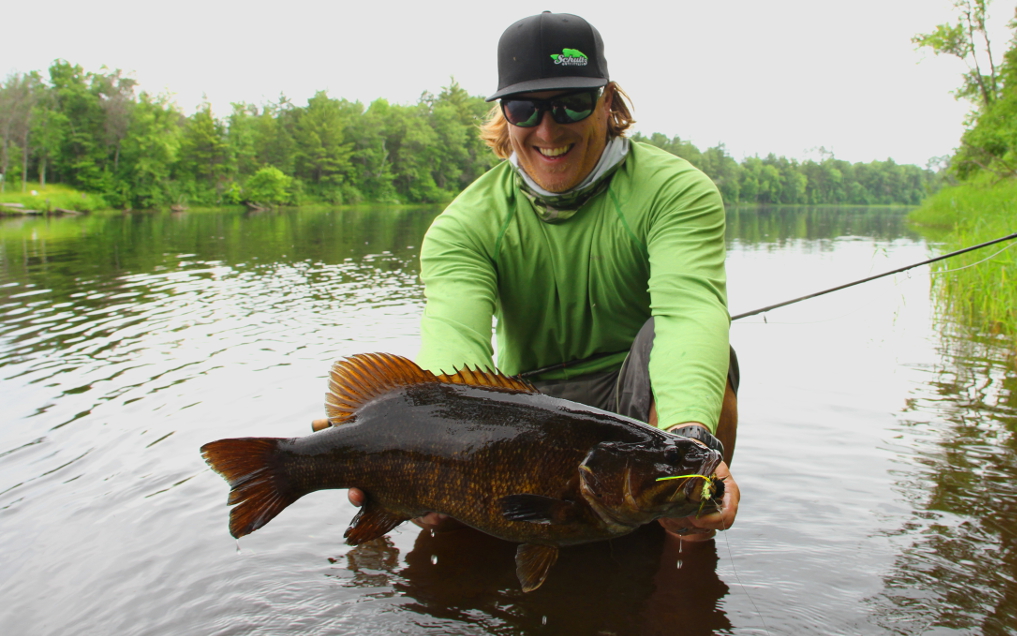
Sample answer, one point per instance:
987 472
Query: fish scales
485 449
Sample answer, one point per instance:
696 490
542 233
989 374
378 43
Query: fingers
356 496
431 521
683 528
725 517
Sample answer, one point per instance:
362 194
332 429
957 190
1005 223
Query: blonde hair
494 131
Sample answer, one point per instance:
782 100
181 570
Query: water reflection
959 473
775 226
638 584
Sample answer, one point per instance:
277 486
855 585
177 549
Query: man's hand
434 521
702 528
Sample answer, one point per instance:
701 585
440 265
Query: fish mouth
701 486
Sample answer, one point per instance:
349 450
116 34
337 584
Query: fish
484 448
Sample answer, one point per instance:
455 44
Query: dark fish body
485 449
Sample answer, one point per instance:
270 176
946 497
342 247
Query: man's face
559 156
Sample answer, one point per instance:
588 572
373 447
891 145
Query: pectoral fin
538 509
533 563
371 522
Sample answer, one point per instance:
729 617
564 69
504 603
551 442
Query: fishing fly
704 495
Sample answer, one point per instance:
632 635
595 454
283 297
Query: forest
95 132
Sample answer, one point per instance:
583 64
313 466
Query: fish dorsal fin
356 380
494 380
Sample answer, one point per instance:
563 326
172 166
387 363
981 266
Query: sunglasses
568 108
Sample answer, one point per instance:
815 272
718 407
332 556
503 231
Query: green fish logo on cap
570 57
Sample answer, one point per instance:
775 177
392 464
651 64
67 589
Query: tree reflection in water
957 561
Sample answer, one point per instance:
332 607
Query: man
590 251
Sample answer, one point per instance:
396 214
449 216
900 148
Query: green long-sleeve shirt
652 244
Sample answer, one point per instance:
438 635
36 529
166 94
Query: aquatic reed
978 289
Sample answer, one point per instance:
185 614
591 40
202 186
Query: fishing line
1008 237
730 556
988 258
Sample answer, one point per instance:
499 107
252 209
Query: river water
877 451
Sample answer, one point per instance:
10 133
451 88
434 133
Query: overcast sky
782 76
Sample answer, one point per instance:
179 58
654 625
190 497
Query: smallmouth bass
484 448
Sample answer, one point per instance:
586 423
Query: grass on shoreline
54 195
980 294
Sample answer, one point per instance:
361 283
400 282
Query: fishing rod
564 365
865 280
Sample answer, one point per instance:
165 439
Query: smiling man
601 260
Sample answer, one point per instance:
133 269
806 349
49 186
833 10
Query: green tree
82 157
275 142
268 186
151 149
413 142
968 40
204 156
116 98
18 96
322 153
461 156
989 145
371 160
242 138
49 128
724 170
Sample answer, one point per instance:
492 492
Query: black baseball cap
550 51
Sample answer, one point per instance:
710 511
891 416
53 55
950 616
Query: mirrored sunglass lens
521 112
573 108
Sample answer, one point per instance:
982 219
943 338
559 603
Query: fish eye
672 455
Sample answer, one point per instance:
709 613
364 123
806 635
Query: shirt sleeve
688 299
460 286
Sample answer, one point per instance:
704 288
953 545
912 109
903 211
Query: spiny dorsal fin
356 380
477 377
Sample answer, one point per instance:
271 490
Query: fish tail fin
257 479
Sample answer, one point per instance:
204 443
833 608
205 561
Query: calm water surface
877 452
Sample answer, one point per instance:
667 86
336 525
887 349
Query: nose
547 129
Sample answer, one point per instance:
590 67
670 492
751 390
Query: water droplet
432 533
434 559
543 620
679 564
238 546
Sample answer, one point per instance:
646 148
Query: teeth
554 152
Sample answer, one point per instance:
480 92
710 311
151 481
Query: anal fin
371 522
533 563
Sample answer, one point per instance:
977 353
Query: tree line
93 132
775 180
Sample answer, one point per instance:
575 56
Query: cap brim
549 84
